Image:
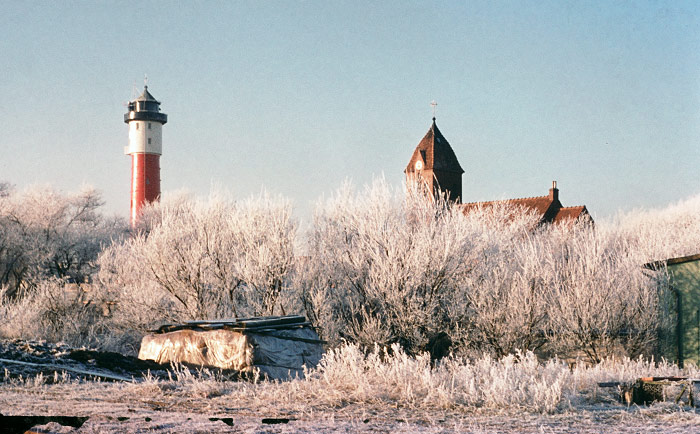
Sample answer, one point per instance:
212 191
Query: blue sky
296 97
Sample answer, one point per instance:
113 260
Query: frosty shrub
45 234
388 266
371 277
55 312
501 304
381 266
389 381
603 302
517 381
572 290
202 260
658 234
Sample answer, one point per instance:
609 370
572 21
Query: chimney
554 192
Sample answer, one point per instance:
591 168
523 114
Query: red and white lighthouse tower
145 147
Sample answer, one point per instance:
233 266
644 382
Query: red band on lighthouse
145 182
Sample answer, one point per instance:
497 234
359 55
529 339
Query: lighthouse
145 147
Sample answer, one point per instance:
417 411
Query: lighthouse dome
145 108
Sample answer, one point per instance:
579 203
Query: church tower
435 163
145 147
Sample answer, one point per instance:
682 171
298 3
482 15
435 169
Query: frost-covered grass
518 382
389 378
353 390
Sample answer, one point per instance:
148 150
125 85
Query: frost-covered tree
390 266
603 300
606 301
657 234
507 292
204 259
380 265
44 233
56 314
384 266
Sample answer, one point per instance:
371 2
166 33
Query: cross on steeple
433 103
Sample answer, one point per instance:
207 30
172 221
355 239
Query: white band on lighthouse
145 137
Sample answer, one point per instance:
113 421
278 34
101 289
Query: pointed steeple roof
435 152
146 96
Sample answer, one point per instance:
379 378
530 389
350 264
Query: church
434 163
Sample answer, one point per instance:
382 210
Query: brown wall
450 182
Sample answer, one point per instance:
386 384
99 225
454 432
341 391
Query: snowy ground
200 403
123 408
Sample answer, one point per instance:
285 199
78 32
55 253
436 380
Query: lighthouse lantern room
145 147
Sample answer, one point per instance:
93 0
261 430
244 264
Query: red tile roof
548 208
571 213
539 204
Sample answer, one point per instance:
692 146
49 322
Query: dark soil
115 362
37 357
47 358
22 424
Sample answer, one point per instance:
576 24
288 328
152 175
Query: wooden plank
271 321
253 323
269 327
213 321
69 369
650 379
249 320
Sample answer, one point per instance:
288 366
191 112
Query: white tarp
280 354
216 348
